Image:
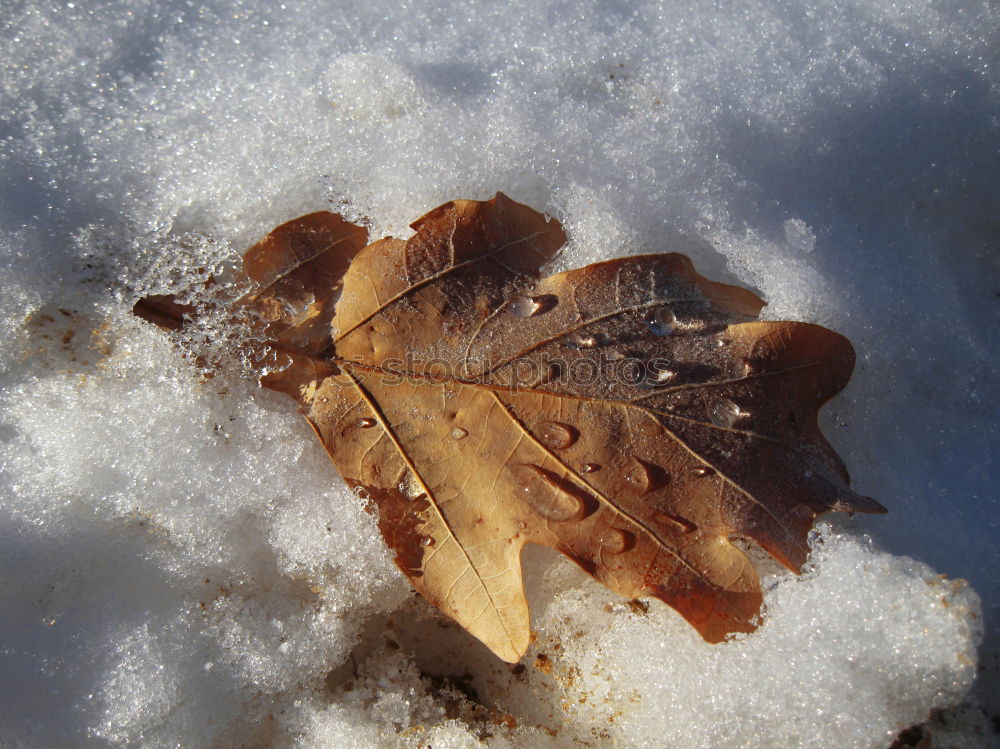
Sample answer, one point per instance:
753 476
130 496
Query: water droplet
367 422
587 340
615 356
807 473
458 433
523 307
426 541
410 488
657 375
661 321
556 435
642 477
675 522
590 468
703 471
724 413
664 375
552 496
616 540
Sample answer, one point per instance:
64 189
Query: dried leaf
296 271
630 414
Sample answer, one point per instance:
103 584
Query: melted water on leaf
556 435
617 540
587 340
551 496
660 321
523 307
724 413
675 522
643 477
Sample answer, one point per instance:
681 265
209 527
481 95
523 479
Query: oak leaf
631 414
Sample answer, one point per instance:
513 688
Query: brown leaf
296 271
162 310
293 276
631 414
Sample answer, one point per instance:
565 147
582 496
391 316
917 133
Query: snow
180 563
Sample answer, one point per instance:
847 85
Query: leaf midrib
373 404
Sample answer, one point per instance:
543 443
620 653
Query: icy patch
799 235
862 646
170 525
859 648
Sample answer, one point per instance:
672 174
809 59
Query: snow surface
179 563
